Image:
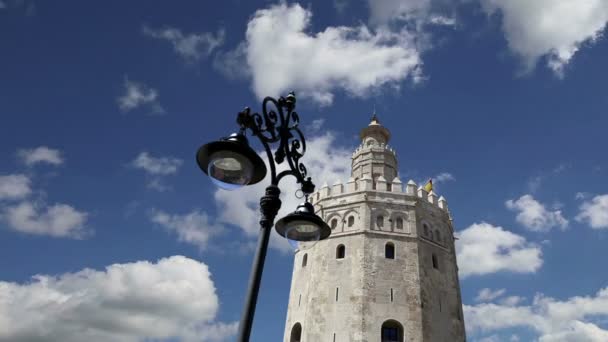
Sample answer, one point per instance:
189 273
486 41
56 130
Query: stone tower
388 271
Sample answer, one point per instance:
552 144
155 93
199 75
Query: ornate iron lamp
232 163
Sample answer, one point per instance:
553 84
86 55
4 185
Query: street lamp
232 163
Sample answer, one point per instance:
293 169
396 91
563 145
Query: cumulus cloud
326 162
443 177
57 220
40 155
313 64
551 29
552 319
382 12
16 186
595 212
138 95
191 47
158 166
483 249
194 227
174 298
534 216
488 295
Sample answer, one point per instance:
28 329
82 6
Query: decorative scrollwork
278 123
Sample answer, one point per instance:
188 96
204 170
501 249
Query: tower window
389 186
337 292
304 260
356 184
334 223
296 333
340 252
392 331
389 250
435 263
399 223
351 221
425 229
391 295
438 236
380 221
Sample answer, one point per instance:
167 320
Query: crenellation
337 189
422 193
432 198
381 184
443 204
411 188
397 186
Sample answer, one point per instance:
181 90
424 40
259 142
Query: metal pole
269 207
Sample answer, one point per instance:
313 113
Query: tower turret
374 157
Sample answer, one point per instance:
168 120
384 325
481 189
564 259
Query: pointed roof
375 128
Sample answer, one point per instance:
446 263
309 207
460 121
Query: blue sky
107 223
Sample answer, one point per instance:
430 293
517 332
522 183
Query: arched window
438 235
399 223
389 250
392 331
340 252
389 186
304 260
334 223
296 333
351 221
379 221
425 229
435 262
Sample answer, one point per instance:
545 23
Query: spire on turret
376 131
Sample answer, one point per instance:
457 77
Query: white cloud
313 64
191 47
57 220
326 162
555 29
488 295
552 319
15 186
595 212
442 20
40 154
174 298
158 166
193 228
443 177
534 216
483 249
382 12
139 95
511 300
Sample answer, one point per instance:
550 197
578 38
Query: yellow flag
429 186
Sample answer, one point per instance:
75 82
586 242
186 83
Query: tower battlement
411 192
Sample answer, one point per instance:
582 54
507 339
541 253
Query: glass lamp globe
231 163
229 170
303 228
302 235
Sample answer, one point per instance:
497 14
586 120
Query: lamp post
232 163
